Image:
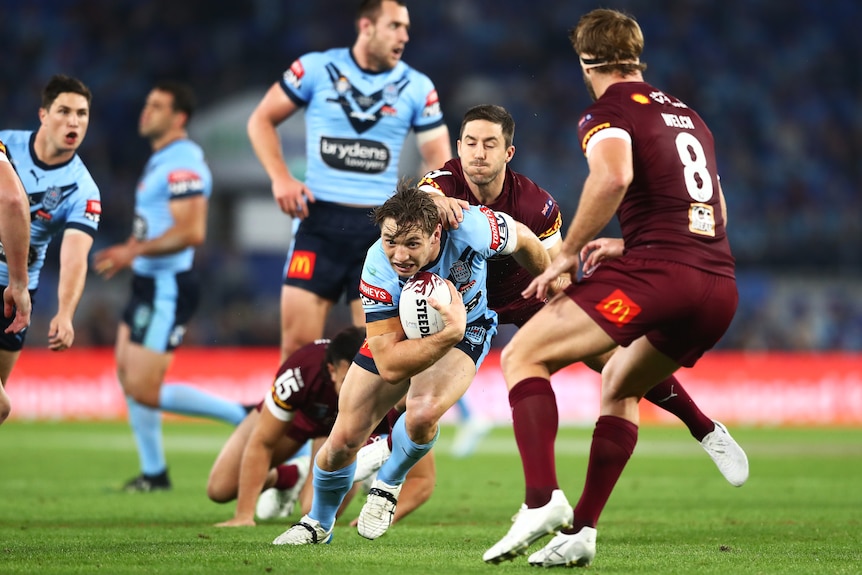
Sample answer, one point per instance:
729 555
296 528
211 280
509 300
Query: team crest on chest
460 272
52 198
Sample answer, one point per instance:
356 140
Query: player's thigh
357 313
364 399
303 316
7 362
560 334
433 391
225 469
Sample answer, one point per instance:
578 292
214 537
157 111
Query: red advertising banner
736 388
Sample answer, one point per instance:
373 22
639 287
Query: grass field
800 512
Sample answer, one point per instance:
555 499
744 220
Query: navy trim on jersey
293 97
81 227
42 165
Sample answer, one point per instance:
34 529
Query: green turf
801 511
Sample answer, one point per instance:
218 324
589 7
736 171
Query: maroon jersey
529 204
671 210
303 386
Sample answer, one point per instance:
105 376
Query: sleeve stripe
605 134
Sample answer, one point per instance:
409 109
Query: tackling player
481 176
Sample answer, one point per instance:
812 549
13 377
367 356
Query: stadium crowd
780 89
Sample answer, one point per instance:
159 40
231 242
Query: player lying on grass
300 407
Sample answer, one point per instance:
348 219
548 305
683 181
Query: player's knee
5 405
509 358
143 395
218 492
421 421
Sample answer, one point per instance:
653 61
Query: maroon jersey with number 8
671 210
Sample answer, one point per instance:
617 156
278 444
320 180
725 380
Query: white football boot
727 455
376 515
307 532
564 550
273 503
528 525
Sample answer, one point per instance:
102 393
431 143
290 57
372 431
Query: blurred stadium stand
778 83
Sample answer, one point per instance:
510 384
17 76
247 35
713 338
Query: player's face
66 121
483 152
408 251
158 115
388 36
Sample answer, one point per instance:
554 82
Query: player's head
382 32
341 350
65 113
485 144
410 229
608 42
167 110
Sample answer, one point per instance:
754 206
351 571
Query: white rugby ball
418 318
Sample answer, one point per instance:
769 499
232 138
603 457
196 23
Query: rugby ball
418 318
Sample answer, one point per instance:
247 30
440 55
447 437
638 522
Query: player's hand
292 196
61 334
540 288
599 250
17 300
236 522
109 261
451 210
563 281
454 314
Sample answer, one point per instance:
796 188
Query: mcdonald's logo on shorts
618 308
301 265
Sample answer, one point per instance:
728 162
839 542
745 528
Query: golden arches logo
618 308
301 265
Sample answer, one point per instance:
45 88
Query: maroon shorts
683 311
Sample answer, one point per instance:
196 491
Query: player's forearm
598 204
531 254
253 470
15 224
73 277
174 240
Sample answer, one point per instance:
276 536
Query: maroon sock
671 396
614 441
535 419
288 475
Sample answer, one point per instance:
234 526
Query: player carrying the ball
433 371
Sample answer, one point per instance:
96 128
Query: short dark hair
371 9
184 96
345 345
411 208
494 114
61 84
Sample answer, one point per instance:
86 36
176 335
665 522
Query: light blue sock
189 400
405 454
463 409
146 424
330 487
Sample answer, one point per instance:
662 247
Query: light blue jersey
176 171
462 260
62 196
356 123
